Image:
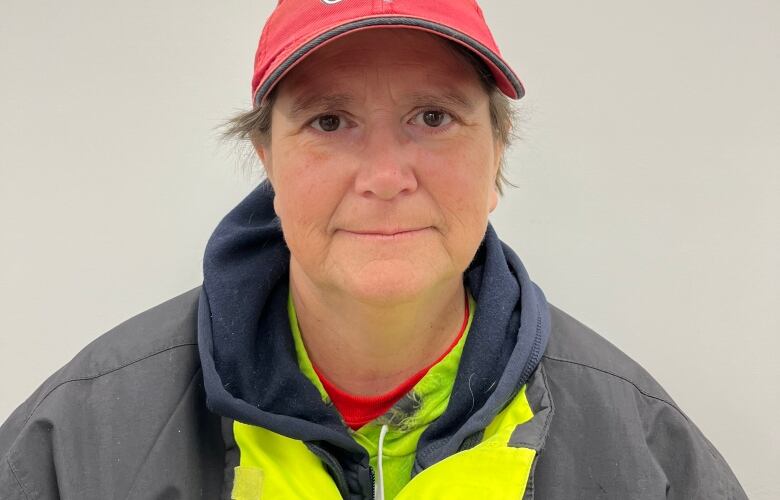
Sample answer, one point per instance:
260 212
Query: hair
255 125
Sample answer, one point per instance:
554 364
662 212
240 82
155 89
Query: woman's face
383 162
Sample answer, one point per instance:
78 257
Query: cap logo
330 2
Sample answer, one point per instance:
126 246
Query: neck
367 349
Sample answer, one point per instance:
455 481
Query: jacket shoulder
145 338
608 410
166 326
125 405
574 343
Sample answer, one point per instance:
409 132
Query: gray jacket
126 418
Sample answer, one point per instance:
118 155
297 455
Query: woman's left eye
433 118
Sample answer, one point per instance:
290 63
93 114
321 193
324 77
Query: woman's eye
434 118
326 123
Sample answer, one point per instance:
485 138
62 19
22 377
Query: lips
387 234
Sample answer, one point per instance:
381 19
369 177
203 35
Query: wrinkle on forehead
308 103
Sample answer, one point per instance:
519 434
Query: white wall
648 181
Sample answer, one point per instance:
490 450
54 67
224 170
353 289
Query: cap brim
506 80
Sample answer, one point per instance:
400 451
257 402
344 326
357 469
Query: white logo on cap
330 2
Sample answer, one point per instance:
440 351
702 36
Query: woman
361 331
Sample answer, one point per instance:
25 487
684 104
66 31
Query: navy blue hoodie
249 361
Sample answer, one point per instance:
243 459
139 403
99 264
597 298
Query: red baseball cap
296 28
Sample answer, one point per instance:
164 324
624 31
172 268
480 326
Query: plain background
647 204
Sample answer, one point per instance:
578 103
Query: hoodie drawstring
379 490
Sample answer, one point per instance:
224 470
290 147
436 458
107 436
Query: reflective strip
288 469
248 484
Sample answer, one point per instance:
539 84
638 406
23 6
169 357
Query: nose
386 167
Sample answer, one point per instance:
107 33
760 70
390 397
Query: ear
492 198
493 194
264 154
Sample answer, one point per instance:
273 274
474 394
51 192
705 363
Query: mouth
389 235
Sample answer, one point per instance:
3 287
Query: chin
380 284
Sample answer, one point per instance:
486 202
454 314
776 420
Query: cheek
305 195
460 178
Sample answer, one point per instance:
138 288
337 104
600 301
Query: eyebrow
323 102
307 103
449 98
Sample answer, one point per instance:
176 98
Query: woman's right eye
326 123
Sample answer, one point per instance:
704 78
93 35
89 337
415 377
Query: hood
248 356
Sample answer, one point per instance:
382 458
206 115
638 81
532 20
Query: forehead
413 59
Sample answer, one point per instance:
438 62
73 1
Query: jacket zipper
373 482
332 464
338 473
